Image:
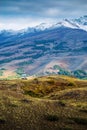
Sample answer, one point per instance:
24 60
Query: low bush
66 128
62 103
80 120
2 120
83 110
31 93
51 117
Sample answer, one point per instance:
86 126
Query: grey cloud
39 8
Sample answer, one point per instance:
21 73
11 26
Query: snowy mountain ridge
79 23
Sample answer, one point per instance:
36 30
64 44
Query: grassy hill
44 103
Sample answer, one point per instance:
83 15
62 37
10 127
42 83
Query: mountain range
54 48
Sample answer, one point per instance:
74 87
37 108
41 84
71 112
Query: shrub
71 84
51 117
2 120
25 101
62 103
80 120
31 93
51 82
83 110
35 81
66 128
13 105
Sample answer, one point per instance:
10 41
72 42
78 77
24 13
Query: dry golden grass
44 103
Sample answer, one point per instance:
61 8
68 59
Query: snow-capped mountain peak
79 23
43 26
81 20
65 23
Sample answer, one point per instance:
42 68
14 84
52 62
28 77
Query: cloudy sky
19 14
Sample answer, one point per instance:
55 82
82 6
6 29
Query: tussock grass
44 103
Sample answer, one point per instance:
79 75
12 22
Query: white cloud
21 23
16 14
52 12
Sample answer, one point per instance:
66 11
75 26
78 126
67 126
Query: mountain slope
37 51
